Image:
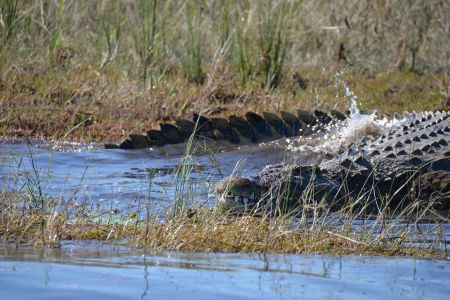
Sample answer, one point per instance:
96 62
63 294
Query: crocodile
410 163
251 128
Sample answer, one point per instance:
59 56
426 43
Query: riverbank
74 70
69 105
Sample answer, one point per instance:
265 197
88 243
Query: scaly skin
236 130
413 160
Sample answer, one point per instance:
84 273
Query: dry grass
206 230
83 107
96 71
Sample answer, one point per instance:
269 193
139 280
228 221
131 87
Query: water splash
338 137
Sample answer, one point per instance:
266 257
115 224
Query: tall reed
193 65
145 41
273 41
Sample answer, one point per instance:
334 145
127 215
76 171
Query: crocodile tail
252 128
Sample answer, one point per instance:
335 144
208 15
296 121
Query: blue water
118 178
89 272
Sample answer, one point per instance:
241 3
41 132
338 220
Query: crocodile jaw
238 194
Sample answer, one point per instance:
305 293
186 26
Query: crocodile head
239 194
277 189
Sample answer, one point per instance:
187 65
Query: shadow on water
90 270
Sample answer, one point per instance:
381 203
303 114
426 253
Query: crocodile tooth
398 145
424 136
440 131
388 148
402 152
407 141
391 155
417 152
431 151
433 134
416 139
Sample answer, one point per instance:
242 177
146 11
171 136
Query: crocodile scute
252 128
411 163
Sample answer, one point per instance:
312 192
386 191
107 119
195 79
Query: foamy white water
337 137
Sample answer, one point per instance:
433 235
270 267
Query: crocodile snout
238 193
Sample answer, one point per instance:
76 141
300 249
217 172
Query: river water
118 178
100 272
122 180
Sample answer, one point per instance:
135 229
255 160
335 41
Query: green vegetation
96 71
